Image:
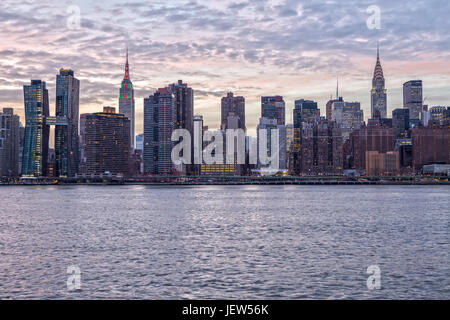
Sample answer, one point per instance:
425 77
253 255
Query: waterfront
225 242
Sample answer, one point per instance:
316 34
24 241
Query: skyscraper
273 107
9 143
235 105
379 92
412 98
348 116
400 121
159 123
66 136
307 109
107 137
126 101
184 104
184 112
35 150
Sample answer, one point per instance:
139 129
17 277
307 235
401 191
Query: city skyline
249 68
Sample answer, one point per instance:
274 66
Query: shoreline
236 183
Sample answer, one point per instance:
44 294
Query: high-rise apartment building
321 148
35 149
107 138
9 143
233 105
66 135
159 122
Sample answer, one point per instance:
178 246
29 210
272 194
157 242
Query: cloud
288 47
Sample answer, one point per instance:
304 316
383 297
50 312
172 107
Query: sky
253 48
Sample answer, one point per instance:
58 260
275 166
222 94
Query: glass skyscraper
35 150
412 98
273 108
66 134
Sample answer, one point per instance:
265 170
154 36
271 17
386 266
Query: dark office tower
273 108
35 149
9 143
378 93
159 123
235 105
126 101
107 149
400 122
184 104
66 136
412 98
307 109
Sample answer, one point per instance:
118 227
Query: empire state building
126 101
378 93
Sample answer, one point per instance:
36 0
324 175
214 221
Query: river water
224 242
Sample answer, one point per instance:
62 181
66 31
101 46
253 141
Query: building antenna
337 87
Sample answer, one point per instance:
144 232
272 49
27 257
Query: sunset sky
253 48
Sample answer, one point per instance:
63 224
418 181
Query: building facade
233 105
268 125
373 137
400 122
159 122
66 136
431 145
413 98
321 148
107 149
273 107
348 116
382 164
9 143
35 151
